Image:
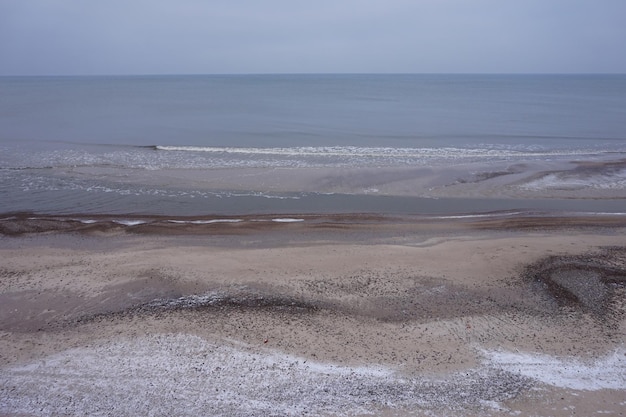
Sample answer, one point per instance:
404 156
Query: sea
111 144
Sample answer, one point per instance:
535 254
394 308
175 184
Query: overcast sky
293 36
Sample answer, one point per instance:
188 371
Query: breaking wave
376 152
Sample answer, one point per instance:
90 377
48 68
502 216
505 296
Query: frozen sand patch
187 375
608 372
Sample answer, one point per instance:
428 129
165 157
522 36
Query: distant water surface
49 126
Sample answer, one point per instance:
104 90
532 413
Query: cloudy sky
294 36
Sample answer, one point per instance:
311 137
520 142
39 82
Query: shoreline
389 245
586 185
26 223
509 313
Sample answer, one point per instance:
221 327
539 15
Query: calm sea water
51 125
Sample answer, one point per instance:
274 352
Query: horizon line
217 74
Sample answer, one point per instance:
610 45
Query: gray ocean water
50 126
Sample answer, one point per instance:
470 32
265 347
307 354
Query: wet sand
577 177
510 314
575 184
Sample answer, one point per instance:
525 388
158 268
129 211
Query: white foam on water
287 220
608 372
565 181
356 151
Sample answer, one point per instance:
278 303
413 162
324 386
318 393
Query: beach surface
334 315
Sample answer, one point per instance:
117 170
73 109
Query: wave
380 152
162 157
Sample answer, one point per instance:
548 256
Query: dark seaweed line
207 302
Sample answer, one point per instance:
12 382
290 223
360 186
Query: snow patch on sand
130 222
206 221
608 372
287 220
185 375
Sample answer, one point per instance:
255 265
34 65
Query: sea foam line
355 151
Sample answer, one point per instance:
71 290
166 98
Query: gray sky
292 36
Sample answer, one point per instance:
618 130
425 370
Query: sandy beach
334 315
